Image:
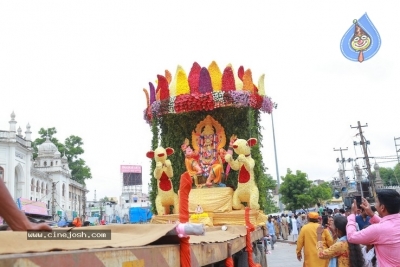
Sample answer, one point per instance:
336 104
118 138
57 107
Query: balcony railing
22 141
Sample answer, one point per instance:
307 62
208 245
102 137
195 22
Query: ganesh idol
207 157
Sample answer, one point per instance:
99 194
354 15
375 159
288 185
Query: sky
81 66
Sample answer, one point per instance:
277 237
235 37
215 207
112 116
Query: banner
131 169
32 207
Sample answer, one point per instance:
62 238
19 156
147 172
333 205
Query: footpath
284 254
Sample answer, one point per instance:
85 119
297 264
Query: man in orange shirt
307 242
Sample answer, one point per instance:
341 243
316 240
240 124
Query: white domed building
43 182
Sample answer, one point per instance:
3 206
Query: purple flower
240 98
155 108
205 84
267 105
152 93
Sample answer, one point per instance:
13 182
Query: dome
57 154
47 147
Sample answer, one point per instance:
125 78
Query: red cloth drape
229 262
184 189
249 247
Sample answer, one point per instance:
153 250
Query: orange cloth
77 222
249 247
189 163
229 262
216 171
184 189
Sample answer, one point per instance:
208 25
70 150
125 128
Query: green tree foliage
298 192
172 129
72 148
270 184
321 193
390 176
104 199
295 190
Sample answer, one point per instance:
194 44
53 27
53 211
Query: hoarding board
131 175
32 207
131 169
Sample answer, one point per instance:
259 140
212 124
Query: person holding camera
383 232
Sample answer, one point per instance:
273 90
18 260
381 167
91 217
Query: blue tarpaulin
139 215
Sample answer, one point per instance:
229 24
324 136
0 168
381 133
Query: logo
362 41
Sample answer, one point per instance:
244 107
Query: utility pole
397 149
84 202
275 105
53 206
364 144
341 154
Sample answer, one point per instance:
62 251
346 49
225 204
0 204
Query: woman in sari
341 253
327 222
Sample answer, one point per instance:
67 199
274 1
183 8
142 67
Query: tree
387 175
270 184
321 193
397 173
295 190
298 192
104 199
390 176
72 148
50 132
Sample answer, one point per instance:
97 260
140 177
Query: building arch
63 190
37 186
32 185
42 188
19 181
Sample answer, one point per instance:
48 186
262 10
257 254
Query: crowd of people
360 236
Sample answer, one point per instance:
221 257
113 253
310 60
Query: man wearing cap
307 242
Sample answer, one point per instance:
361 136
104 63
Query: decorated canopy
205 89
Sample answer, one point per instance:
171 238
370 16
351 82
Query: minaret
378 180
19 132
28 133
13 123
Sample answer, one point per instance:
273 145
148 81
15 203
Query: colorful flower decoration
205 89
205 84
194 77
216 76
171 106
228 79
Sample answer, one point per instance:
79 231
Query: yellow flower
179 85
216 76
182 84
248 81
261 87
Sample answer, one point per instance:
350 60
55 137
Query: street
283 255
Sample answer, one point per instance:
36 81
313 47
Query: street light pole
275 105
